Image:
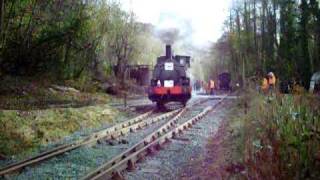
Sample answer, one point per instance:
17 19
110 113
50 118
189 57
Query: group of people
207 87
267 86
268 83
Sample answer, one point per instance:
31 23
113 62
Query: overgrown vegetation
281 137
68 39
56 57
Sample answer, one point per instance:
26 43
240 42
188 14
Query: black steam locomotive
169 81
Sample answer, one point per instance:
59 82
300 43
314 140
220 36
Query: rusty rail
128 158
113 132
129 151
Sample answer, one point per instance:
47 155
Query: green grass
21 131
34 113
32 94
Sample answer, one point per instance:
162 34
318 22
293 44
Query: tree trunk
243 71
241 57
316 13
305 62
2 11
256 50
263 35
66 62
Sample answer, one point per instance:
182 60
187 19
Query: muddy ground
221 155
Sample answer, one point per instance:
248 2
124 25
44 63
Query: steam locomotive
169 81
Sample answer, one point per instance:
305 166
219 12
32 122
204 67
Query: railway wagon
224 81
169 81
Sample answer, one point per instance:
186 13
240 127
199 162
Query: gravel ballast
170 161
79 162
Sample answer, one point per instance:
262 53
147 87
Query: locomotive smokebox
168 51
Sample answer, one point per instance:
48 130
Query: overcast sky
204 18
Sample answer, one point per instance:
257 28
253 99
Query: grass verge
22 131
281 136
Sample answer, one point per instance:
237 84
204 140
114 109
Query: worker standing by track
211 86
268 83
271 82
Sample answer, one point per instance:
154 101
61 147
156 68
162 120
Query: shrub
282 137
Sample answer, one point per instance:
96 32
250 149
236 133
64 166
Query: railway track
128 158
113 132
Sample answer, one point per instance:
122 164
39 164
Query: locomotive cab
169 81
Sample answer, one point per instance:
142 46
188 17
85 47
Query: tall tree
315 36
305 62
274 35
287 39
1 15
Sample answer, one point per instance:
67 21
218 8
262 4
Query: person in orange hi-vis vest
212 86
271 81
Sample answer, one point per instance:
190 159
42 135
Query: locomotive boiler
170 82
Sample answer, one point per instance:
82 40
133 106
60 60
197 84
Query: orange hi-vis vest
212 84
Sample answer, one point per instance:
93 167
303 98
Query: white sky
206 17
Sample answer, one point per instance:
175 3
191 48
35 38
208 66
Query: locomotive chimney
168 51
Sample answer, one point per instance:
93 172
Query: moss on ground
33 94
39 112
22 131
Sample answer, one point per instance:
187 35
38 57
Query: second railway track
113 132
128 158
109 133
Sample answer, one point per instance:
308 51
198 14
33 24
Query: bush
282 137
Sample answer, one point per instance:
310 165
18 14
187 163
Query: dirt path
221 156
